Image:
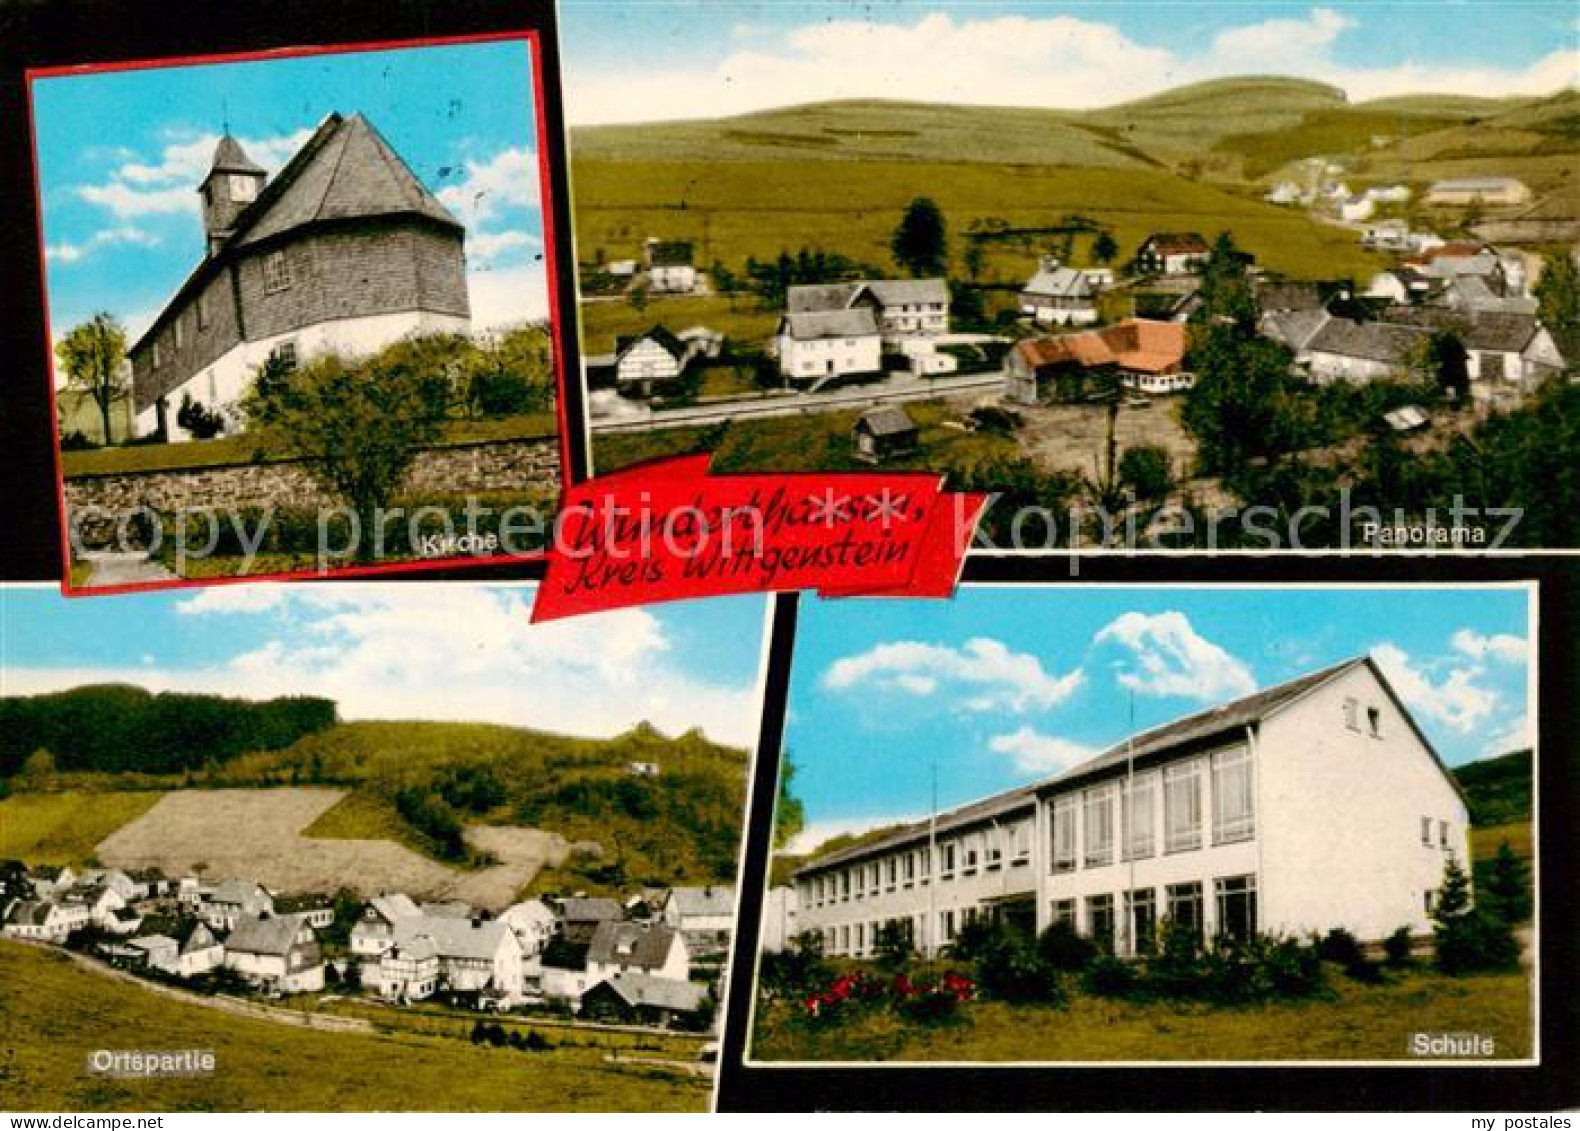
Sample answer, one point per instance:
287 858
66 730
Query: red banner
668 530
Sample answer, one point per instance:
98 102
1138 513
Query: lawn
65 828
815 442
1356 1023
739 319
1484 841
242 448
47 1031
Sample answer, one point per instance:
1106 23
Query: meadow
47 1031
65 828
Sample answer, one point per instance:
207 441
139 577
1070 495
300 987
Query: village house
117 881
318 910
705 917
637 948
669 267
47 881
468 955
226 904
196 951
1508 356
276 952
833 329
98 904
1172 253
656 357
1467 191
40 920
1314 804
405 972
1138 353
1357 352
882 432
580 916
641 999
781 918
1058 295
562 972
344 251
534 923
374 932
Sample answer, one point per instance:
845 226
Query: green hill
1499 789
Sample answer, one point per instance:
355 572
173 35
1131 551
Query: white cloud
1169 658
982 675
509 179
815 833
443 651
167 185
488 247
1455 700
65 252
1518 735
1504 646
1051 61
508 296
1033 752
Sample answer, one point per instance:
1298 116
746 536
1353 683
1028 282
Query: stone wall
507 466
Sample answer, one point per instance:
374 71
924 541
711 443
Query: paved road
111 568
801 404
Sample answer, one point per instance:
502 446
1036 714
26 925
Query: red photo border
531 38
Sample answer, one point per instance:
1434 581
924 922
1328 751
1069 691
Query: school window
1442 834
860 936
1099 826
1352 709
948 868
910 867
1185 907
1141 909
276 272
1426 900
1182 806
1064 912
1236 897
946 925
1426 831
973 849
1062 834
1232 806
1100 921
927 862
1020 842
894 872
1374 721
1137 817
844 886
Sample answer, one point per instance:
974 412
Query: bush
934 1005
1292 970
1339 946
1145 470
1398 948
1112 977
1476 941
1064 948
1011 969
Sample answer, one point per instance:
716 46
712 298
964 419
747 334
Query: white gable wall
1340 814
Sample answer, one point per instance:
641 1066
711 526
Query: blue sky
431 650
1006 685
121 155
630 62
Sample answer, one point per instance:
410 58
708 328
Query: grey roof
448 909
900 292
1294 328
584 909
272 934
637 945
154 942
1472 183
887 420
658 993
1289 296
1371 341
418 947
1060 282
704 901
30 912
455 938
659 333
1184 733
1473 292
1501 333
230 157
810 325
394 907
820 296
237 891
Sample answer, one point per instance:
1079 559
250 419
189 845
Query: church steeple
233 182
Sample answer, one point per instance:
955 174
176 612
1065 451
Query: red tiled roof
1138 344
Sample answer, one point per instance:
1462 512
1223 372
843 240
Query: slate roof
1183 733
239 892
902 292
155 942
631 945
394 907
670 253
584 909
659 333
1289 297
808 297
1501 333
810 325
345 171
1371 341
30 912
887 420
718 900
229 157
657 993
449 909
1060 282
1294 328
273 934
455 938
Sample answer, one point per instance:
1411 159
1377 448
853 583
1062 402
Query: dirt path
257 834
123 569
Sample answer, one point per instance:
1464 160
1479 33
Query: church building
343 251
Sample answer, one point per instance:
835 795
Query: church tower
233 182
